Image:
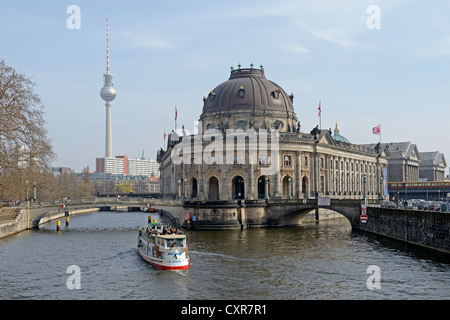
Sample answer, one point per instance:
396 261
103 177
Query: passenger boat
163 247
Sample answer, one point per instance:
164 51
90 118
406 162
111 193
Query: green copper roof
336 136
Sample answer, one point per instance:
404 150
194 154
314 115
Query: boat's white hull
177 264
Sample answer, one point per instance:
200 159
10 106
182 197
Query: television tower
108 93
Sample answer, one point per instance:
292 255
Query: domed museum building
250 149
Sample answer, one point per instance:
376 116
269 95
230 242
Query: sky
368 62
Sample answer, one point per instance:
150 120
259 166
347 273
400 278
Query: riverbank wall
428 229
15 225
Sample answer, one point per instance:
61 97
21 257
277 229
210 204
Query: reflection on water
313 261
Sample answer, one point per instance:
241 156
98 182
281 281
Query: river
312 261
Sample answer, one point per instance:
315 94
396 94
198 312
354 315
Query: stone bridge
289 212
261 213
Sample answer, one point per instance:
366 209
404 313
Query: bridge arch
350 210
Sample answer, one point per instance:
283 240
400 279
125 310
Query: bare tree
25 150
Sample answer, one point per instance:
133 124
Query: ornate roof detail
336 136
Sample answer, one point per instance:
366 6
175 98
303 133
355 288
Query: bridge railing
8 214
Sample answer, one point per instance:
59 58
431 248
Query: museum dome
248 100
337 137
247 89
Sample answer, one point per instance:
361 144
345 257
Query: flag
176 113
165 135
377 129
320 110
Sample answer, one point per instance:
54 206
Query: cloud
335 36
296 48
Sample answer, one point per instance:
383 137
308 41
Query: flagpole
320 116
380 133
164 145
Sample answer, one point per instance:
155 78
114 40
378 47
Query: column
223 189
298 175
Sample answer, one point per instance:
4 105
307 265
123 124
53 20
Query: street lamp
380 197
364 181
406 192
26 182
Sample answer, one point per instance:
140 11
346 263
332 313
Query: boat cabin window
175 243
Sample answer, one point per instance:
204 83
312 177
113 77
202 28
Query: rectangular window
305 161
287 160
264 160
211 161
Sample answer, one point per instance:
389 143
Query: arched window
194 188
305 186
238 187
263 187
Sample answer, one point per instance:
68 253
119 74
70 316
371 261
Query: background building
407 164
141 174
432 166
125 166
106 183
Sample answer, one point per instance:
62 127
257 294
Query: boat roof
171 236
155 224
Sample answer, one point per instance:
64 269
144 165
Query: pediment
326 139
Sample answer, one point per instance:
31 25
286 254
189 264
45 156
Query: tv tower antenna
108 94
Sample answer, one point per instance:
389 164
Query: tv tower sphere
108 93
